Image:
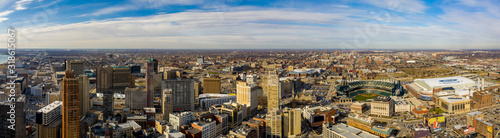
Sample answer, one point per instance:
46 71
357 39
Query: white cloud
407 6
270 28
5 13
3 19
109 10
20 5
141 4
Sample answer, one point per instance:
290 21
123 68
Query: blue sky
254 24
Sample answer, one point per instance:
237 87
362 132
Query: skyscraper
247 94
104 78
166 103
274 123
211 85
151 71
71 103
6 117
274 90
135 98
83 93
197 89
48 121
108 104
182 93
291 122
122 78
115 78
76 65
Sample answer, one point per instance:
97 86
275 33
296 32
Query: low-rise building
481 99
318 115
487 129
358 107
472 116
344 131
243 131
368 124
207 100
179 119
454 104
382 106
401 105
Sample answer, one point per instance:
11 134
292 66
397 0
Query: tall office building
182 93
104 79
114 78
19 120
83 93
197 89
247 94
107 104
71 103
166 103
274 123
211 85
122 78
151 72
135 98
76 65
274 90
48 121
292 122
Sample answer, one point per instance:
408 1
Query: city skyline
235 24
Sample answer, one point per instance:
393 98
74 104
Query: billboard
490 129
435 123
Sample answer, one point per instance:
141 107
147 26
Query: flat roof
351 132
453 98
50 107
475 113
446 82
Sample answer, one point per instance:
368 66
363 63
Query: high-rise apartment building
76 65
274 90
83 93
48 121
182 93
211 85
292 122
166 103
247 94
274 127
71 103
49 113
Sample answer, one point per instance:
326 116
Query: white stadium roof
445 82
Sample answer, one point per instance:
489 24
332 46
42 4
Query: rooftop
454 98
445 82
474 113
382 99
50 107
351 132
